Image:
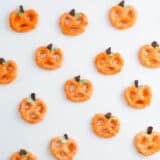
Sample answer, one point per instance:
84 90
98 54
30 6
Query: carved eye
72 87
133 94
26 106
148 52
10 68
100 122
146 93
56 56
43 55
116 61
79 21
57 144
143 140
113 124
130 13
156 139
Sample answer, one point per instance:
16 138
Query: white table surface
79 52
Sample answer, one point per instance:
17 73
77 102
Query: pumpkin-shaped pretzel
78 90
147 142
8 71
138 96
105 125
149 55
49 58
32 110
73 23
63 148
23 155
23 21
109 63
122 17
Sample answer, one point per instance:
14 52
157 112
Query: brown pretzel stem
149 130
108 50
66 136
21 9
108 115
136 83
122 3
77 78
2 60
23 152
154 44
50 46
33 96
72 12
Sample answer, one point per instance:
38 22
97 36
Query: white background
79 53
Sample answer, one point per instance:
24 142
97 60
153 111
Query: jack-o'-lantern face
32 110
73 23
23 21
147 143
138 96
8 71
122 17
105 126
49 58
109 63
78 90
63 148
23 155
149 55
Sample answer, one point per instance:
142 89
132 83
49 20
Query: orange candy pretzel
23 155
8 71
147 143
48 57
105 126
63 148
32 110
23 21
138 96
109 63
78 90
73 23
122 17
149 55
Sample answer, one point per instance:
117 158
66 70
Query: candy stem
122 3
72 12
108 115
136 83
21 9
66 136
23 152
33 96
149 130
50 46
154 44
2 60
77 78
108 51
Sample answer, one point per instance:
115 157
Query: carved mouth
154 61
140 101
50 62
109 68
